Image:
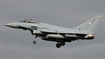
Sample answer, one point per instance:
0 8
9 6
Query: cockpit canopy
30 21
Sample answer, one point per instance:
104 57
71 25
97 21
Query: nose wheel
34 42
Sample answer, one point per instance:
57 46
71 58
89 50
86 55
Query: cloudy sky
17 44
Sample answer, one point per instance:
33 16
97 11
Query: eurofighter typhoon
58 34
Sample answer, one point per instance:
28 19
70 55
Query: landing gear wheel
34 42
58 45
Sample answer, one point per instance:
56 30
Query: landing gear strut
34 42
59 44
63 43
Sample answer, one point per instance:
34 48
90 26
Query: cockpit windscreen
30 21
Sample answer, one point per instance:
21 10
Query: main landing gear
34 42
59 44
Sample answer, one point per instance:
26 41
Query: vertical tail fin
91 24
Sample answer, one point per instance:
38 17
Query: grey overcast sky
17 44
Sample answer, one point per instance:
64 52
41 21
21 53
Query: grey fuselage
53 33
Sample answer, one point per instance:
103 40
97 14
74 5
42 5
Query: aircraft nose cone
11 25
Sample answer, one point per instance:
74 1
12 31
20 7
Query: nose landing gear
34 42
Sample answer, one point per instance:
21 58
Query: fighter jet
58 34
